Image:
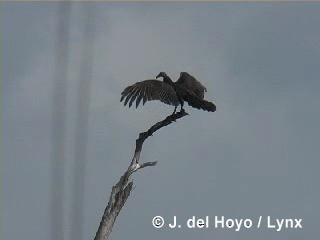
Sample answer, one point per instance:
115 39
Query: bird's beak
159 75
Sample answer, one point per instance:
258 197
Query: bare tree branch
121 191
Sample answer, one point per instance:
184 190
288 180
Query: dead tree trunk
121 191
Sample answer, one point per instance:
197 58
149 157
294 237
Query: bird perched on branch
186 88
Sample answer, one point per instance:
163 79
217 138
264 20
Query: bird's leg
181 106
175 108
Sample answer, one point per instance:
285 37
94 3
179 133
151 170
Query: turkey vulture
186 88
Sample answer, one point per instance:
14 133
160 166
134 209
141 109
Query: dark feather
186 88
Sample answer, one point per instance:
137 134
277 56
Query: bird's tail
198 103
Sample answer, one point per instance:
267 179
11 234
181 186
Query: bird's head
161 74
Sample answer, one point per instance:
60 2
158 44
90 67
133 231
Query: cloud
240 160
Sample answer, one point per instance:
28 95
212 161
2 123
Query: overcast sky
258 154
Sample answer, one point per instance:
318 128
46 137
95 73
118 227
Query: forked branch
121 191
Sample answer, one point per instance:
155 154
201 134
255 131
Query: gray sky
257 155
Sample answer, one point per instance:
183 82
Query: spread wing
149 90
190 84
